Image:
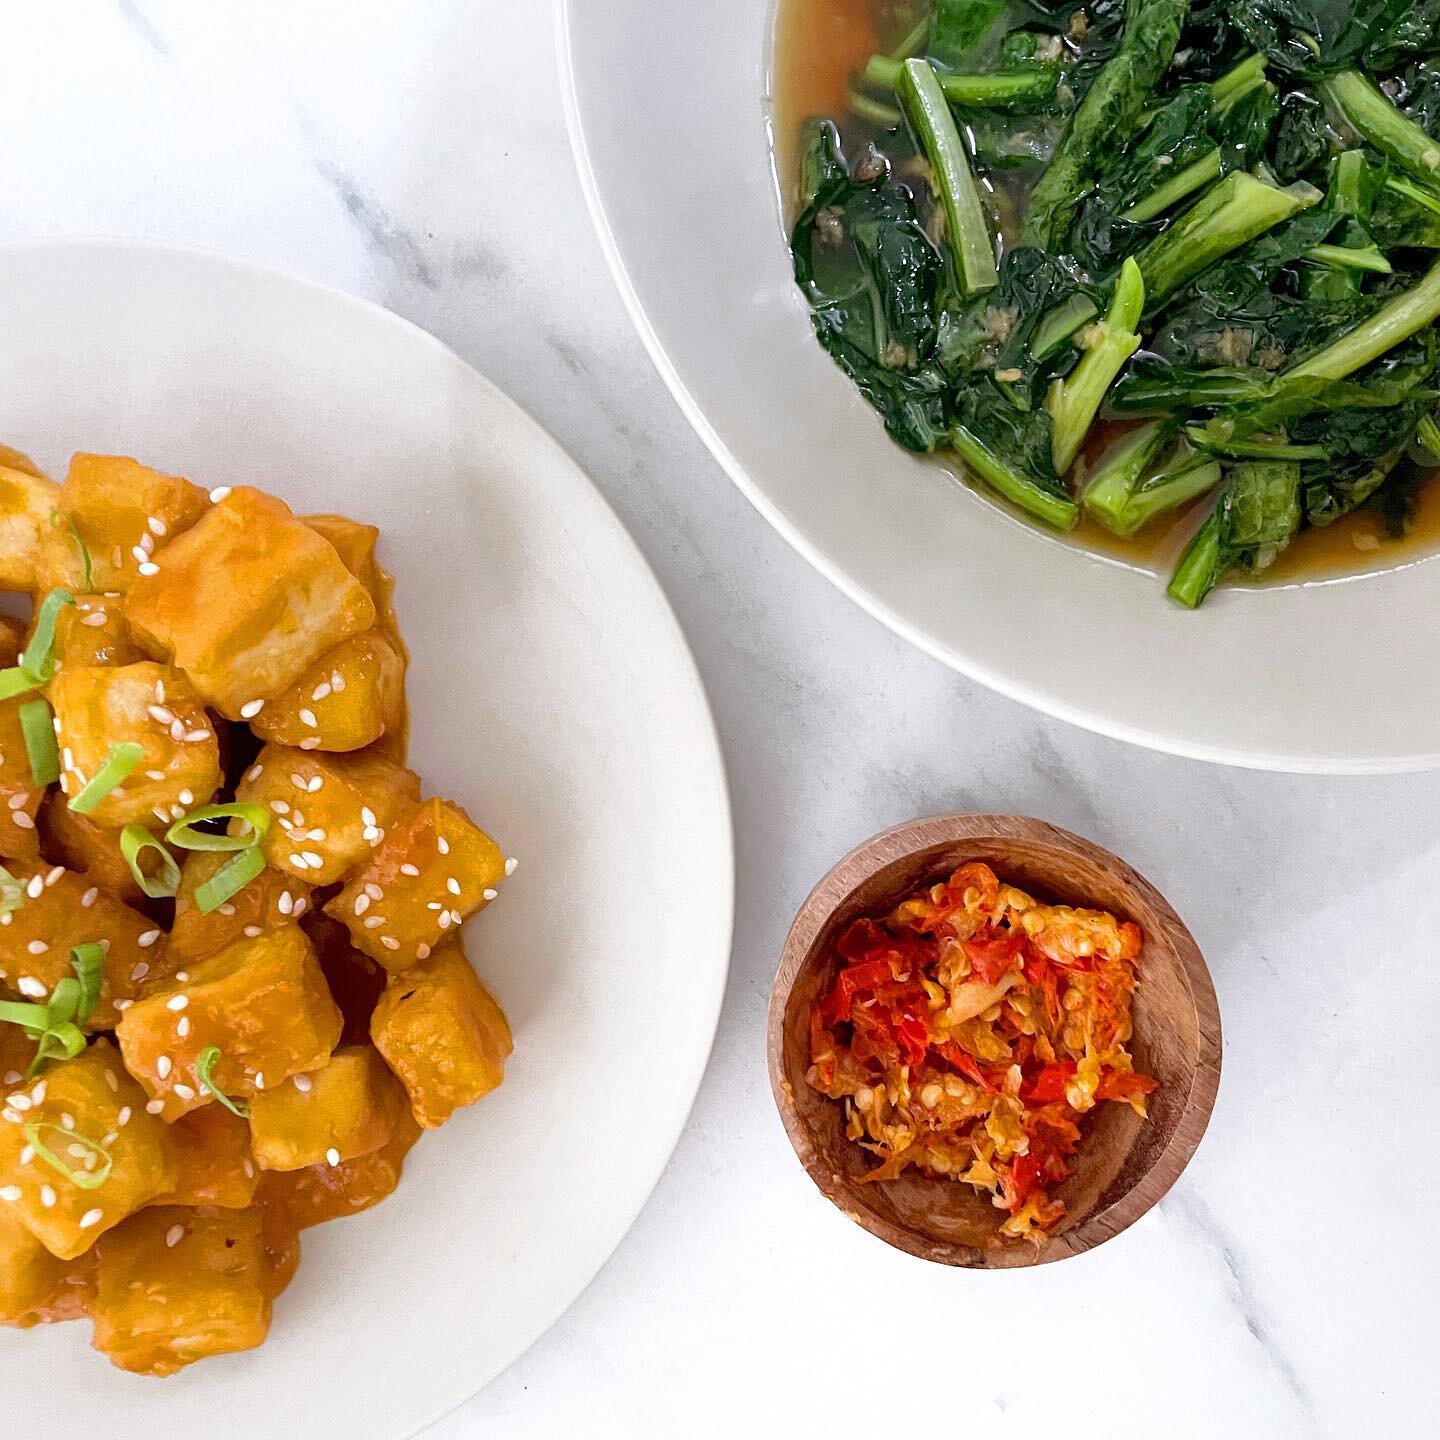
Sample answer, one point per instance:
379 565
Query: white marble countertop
416 153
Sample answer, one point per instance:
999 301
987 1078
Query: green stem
1395 135
1428 435
996 89
1074 401
1198 436
1199 566
966 229
1237 82
1059 323
1044 504
913 41
1184 182
1122 495
1408 312
1230 215
1350 257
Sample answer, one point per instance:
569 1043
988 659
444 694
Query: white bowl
669 113
552 694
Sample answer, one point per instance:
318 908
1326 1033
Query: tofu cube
88 1105
346 1108
212 1151
20 797
98 706
36 1288
60 910
177 1284
355 544
349 698
330 811
442 1032
78 843
270 901
262 1001
331 1192
246 600
430 872
126 513
34 555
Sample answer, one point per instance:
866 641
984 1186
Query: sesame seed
298 781
307 717
91 1218
435 905
34 886
259 1079
148 939
54 875
186 797
314 861
37 947
227 910
122 1119
337 681
362 904
252 932
316 834
183 976
22 820
452 885
160 714
367 815
422 952
47 1196
456 917
173 1236
300 906
140 971
299 862
195 737
315 782
149 568
177 730
156 524
154 774
154 1107
76 1152
332 1155
255 772
13 1116
12 1192
147 544
177 1003
111 1080
140 553
184 1092
442 844
444 919
374 921
219 493
310 742
89 897
251 708
163 1066
183 1028
303 1084
373 890
67 1120
286 903
408 869
18 1101
280 807
373 835
248 1166
489 894
27 1154
30 986
123 1005
37 1091
389 942
94 619
320 691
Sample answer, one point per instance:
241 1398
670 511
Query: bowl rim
947 828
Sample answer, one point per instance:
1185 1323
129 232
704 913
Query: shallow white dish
669 116
552 694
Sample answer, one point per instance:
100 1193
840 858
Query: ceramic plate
669 114
552 694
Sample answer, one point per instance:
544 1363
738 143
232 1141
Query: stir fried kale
1217 221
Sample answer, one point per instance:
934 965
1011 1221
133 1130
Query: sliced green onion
64 1001
12 892
121 760
205 1069
16 680
17 1012
64 520
37 725
184 834
231 878
62 1042
135 840
88 962
39 656
91 1179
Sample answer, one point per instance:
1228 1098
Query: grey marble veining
416 154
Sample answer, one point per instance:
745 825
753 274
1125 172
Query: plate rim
716 777
1031 696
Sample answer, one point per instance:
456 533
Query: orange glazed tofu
100 706
428 874
213 1159
125 513
78 1152
34 555
345 1109
330 1192
176 1284
263 1002
35 1287
347 699
78 843
245 600
441 1031
60 910
92 631
269 902
328 812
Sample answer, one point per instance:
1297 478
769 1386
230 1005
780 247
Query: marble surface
417 154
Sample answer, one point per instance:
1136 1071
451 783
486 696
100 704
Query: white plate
668 112
553 695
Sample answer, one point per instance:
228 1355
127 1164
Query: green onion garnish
232 877
135 840
88 962
64 1002
39 657
12 892
61 1042
64 520
86 1179
16 680
51 1024
18 1012
38 728
121 760
184 834
204 1069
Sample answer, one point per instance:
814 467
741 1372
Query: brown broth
819 44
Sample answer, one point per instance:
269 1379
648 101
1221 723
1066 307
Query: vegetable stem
1395 135
1351 257
966 228
1123 497
1199 566
1045 504
995 89
1184 182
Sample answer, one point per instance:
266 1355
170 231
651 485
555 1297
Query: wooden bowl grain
1125 1164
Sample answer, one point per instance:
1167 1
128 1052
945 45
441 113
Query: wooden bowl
1125 1164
